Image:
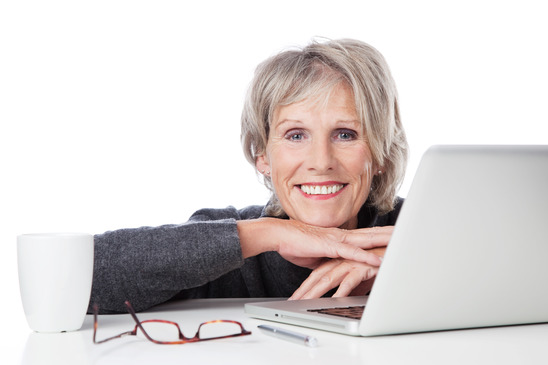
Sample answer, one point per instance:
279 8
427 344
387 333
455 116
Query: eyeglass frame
182 338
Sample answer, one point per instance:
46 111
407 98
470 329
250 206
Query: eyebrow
354 122
287 120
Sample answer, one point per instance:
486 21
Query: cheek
359 163
283 162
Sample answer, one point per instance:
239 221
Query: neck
352 223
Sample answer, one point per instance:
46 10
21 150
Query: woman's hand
308 246
352 278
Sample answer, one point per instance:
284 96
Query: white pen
289 335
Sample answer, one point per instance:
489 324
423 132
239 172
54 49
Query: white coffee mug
55 275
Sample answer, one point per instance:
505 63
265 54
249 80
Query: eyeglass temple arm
95 322
138 322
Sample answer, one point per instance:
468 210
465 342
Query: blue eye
347 135
296 135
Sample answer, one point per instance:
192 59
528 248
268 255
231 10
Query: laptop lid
470 245
469 249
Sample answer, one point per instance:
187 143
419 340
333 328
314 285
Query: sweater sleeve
149 265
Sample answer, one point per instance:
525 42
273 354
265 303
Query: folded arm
150 265
306 245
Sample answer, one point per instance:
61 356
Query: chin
326 222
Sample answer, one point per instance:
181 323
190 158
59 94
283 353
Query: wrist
257 236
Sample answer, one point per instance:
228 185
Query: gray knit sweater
201 258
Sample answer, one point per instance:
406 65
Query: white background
120 114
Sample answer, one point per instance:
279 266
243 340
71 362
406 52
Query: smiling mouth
321 189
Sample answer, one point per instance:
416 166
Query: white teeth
321 189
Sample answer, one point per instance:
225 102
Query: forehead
338 101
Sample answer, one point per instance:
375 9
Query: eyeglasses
168 333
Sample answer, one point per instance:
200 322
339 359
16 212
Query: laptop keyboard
354 312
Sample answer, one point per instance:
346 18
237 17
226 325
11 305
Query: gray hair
298 74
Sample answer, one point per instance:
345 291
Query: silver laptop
470 249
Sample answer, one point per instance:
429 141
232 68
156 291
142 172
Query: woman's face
319 159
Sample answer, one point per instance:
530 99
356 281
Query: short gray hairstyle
298 74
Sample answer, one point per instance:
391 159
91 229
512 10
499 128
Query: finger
354 279
314 277
363 288
330 280
357 254
379 251
369 237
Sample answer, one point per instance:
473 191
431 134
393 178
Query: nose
321 156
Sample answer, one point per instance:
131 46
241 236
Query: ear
377 169
262 164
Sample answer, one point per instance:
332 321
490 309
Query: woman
322 126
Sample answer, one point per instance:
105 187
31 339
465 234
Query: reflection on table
502 345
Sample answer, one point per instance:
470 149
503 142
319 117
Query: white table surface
503 345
